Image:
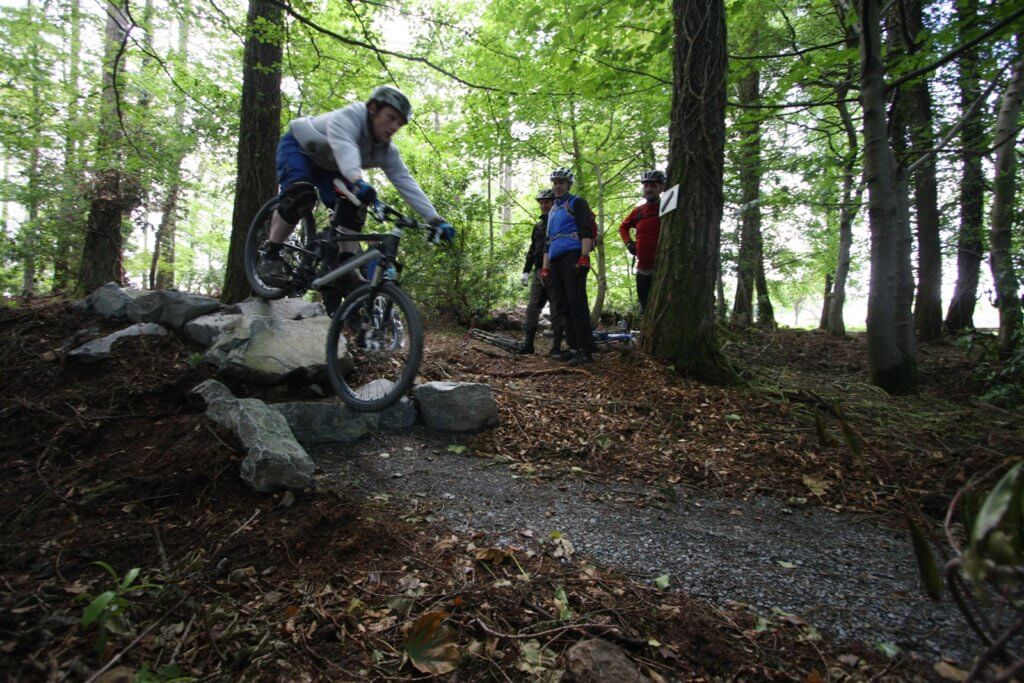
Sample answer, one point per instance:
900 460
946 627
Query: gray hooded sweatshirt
340 140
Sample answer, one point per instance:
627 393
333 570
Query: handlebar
380 211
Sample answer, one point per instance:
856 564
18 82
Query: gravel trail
853 579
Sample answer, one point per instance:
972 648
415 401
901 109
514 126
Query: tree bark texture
1001 220
69 236
749 163
113 192
825 302
259 129
679 325
849 206
601 272
970 243
891 364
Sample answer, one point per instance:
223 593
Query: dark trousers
643 288
539 297
569 292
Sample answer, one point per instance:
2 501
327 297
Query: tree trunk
928 302
891 361
1005 187
721 306
680 323
29 234
68 235
971 237
748 260
113 193
826 300
852 193
602 275
161 270
259 129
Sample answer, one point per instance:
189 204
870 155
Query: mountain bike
376 332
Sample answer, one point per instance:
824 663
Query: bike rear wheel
255 242
374 347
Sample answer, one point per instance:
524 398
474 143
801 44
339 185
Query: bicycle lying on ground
376 332
603 341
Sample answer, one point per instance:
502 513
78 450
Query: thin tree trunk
602 276
971 236
258 133
161 271
68 237
30 230
750 202
825 301
889 363
1005 187
928 302
680 323
490 210
113 192
852 193
721 306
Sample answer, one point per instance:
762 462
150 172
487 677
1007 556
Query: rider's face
385 120
560 187
545 205
651 191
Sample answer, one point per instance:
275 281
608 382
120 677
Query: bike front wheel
374 347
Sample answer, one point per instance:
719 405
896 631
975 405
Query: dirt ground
108 463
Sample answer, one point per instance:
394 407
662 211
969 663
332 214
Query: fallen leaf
432 647
817 485
950 672
492 555
454 448
662 581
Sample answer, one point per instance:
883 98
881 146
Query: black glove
631 247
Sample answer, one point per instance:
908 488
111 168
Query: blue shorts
293 165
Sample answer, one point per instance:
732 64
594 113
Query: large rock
206 392
456 406
275 460
171 309
207 329
265 350
316 423
288 308
599 661
398 416
98 349
109 301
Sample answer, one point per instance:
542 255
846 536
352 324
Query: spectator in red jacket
644 221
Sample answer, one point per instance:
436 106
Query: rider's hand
365 193
631 247
442 231
524 279
583 265
545 276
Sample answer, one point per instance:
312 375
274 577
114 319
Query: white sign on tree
669 199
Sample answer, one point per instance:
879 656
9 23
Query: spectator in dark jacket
531 276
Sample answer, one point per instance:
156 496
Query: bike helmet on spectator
546 194
654 176
562 173
385 94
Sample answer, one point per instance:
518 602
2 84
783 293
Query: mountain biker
645 222
571 231
531 276
340 144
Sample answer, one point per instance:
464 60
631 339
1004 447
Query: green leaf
562 603
997 503
107 568
96 607
129 578
888 649
926 565
662 581
454 448
432 648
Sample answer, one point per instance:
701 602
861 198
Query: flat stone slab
109 301
288 308
98 349
456 406
207 329
321 423
171 309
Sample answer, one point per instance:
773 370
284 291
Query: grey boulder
318 423
266 350
288 308
275 460
456 406
206 392
207 329
171 309
599 661
98 349
109 301
398 416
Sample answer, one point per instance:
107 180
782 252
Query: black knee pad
296 200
